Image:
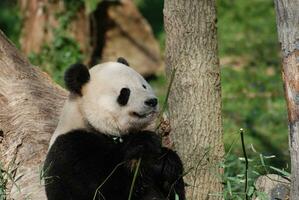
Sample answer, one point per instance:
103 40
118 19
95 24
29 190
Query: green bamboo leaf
284 173
262 160
250 191
229 187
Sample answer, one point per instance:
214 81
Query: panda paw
145 145
171 174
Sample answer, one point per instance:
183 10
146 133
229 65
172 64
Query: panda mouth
136 114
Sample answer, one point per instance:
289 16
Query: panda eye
123 97
143 86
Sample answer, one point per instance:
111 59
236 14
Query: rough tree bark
29 108
128 34
287 17
195 96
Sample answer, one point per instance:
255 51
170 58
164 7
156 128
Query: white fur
99 106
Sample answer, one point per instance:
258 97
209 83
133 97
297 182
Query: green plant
240 173
54 57
8 173
91 5
3 182
10 23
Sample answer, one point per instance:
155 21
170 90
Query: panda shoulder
79 139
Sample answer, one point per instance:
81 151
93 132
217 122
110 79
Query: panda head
112 98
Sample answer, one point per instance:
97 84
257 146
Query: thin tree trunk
195 96
287 18
29 108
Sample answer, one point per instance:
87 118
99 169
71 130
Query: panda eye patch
123 97
143 86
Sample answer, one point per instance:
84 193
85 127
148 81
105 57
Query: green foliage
252 89
8 174
54 58
248 29
64 50
253 98
91 5
152 10
10 20
3 182
71 9
234 172
159 85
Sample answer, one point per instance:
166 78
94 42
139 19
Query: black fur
79 162
124 96
123 61
75 77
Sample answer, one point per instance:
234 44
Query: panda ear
122 61
75 77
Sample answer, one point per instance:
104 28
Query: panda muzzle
135 114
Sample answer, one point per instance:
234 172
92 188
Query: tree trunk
129 35
287 18
195 96
29 108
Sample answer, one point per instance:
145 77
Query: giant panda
102 140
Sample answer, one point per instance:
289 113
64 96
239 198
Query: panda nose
151 102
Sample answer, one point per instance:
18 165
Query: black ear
75 77
122 61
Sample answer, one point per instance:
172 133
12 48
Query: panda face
116 99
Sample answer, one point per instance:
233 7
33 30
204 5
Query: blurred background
54 34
